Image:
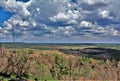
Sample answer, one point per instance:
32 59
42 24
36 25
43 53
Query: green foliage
60 68
30 51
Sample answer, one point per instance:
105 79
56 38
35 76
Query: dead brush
13 62
108 71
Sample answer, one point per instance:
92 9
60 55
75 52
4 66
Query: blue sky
59 21
23 0
4 15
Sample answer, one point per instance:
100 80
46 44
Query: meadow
56 62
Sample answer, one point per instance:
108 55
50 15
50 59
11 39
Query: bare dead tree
10 64
17 63
22 63
1 48
13 34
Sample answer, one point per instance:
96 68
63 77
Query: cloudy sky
60 21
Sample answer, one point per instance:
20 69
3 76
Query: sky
4 15
60 21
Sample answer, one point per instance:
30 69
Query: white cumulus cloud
62 18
